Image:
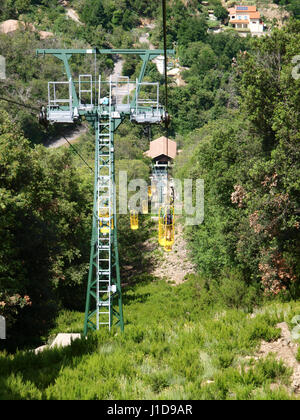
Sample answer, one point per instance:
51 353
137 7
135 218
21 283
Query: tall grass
177 344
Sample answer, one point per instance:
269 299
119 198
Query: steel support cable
76 151
38 109
167 119
19 104
164 13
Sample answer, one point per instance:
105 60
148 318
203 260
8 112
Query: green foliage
109 14
191 30
192 349
220 12
209 89
291 6
93 13
10 9
274 181
233 292
201 53
44 222
250 165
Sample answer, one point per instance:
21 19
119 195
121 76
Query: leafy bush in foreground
174 347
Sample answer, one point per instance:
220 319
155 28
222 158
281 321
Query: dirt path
72 14
173 265
144 39
286 350
72 136
158 61
118 69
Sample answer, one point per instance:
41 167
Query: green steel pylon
104 284
104 295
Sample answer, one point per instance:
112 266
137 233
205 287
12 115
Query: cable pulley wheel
167 119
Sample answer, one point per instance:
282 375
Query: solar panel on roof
242 8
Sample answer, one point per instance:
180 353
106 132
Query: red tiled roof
159 147
255 15
239 21
251 10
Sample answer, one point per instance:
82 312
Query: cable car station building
162 152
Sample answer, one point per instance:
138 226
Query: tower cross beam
140 52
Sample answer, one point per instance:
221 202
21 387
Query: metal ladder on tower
105 288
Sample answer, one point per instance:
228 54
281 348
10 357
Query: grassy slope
177 345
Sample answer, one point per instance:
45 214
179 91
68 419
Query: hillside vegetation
179 343
236 120
249 161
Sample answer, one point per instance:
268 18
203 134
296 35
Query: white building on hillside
247 18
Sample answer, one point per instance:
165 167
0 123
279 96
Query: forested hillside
236 120
249 160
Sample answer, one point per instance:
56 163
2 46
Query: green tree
220 12
93 13
191 30
117 17
44 226
294 8
249 161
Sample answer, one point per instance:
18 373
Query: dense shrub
44 220
249 161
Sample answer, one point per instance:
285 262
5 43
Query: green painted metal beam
151 53
65 54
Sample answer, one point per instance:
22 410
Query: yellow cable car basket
134 220
105 222
161 236
145 207
166 227
149 191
